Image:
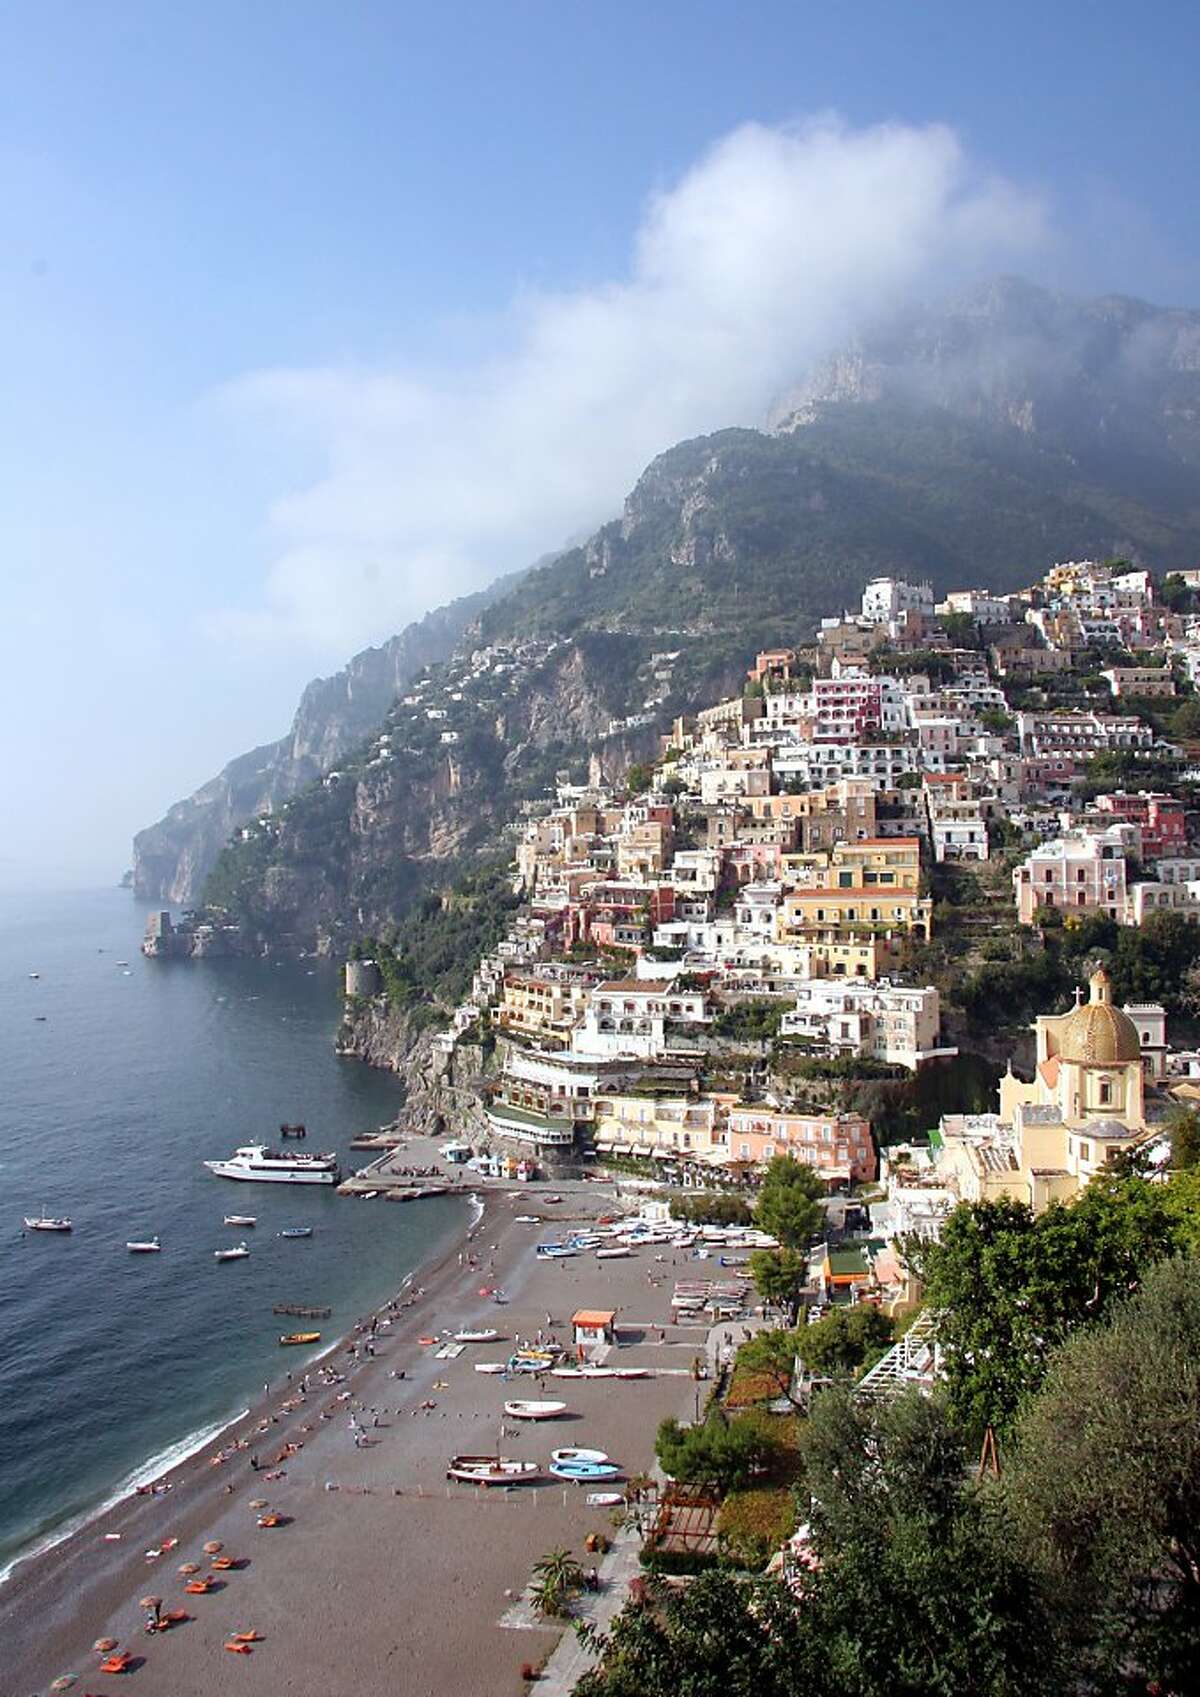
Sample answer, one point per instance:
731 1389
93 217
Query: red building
1161 818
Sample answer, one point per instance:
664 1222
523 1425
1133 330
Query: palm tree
557 1577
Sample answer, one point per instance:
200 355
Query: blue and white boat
555 1251
296 1231
585 1472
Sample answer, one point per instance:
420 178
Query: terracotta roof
594 1317
651 986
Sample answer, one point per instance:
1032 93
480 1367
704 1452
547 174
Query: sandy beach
382 1574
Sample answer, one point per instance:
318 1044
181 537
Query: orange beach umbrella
213 1547
104 1645
149 1602
258 1502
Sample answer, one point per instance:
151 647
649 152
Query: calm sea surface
116 1082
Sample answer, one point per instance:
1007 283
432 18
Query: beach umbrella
64 1682
258 1502
213 1547
149 1602
104 1645
187 1568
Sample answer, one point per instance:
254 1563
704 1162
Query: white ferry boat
271 1166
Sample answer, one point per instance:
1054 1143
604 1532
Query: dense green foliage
1148 963
845 1341
753 1021
432 954
780 1276
725 1453
1104 1488
787 1204
1009 1286
710 1208
916 1593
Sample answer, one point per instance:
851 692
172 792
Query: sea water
116 1083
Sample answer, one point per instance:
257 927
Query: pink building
838 1145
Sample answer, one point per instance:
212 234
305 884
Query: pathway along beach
382 1576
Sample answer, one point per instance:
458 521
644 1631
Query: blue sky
312 315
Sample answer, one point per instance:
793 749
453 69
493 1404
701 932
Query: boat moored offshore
258 1163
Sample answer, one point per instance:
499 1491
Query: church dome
1097 1034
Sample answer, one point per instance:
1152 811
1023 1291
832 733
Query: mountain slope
172 858
972 444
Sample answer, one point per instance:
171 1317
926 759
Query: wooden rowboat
300 1337
491 1470
522 1410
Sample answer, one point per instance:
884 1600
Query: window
1105 1092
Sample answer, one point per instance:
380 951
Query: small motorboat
585 1472
589 1372
239 1252
555 1251
568 1457
617 1253
149 1246
296 1231
555 1198
46 1223
300 1337
241 1220
491 1470
490 1367
526 1220
520 1410
604 1499
486 1334
630 1372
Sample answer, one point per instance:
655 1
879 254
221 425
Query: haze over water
108 1106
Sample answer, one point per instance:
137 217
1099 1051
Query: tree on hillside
845 1341
780 1276
1104 1488
1010 1287
787 1202
917 1593
724 1453
721 1637
1183 1125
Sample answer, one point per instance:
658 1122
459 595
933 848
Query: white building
887 598
886 1021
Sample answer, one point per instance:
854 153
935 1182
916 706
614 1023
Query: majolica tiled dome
1097 1034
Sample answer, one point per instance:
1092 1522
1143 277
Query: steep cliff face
443 1092
435 786
172 858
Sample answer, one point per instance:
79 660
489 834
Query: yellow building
677 1127
1084 1104
541 1006
875 863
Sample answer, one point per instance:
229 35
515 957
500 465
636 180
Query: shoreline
113 1523
383 1573
171 1461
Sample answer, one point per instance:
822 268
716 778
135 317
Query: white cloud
766 255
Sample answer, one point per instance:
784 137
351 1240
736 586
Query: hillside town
707 956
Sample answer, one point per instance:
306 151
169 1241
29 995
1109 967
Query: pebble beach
380 1573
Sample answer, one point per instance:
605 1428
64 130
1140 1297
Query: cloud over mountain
771 250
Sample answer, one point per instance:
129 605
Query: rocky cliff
444 1091
172 858
436 785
